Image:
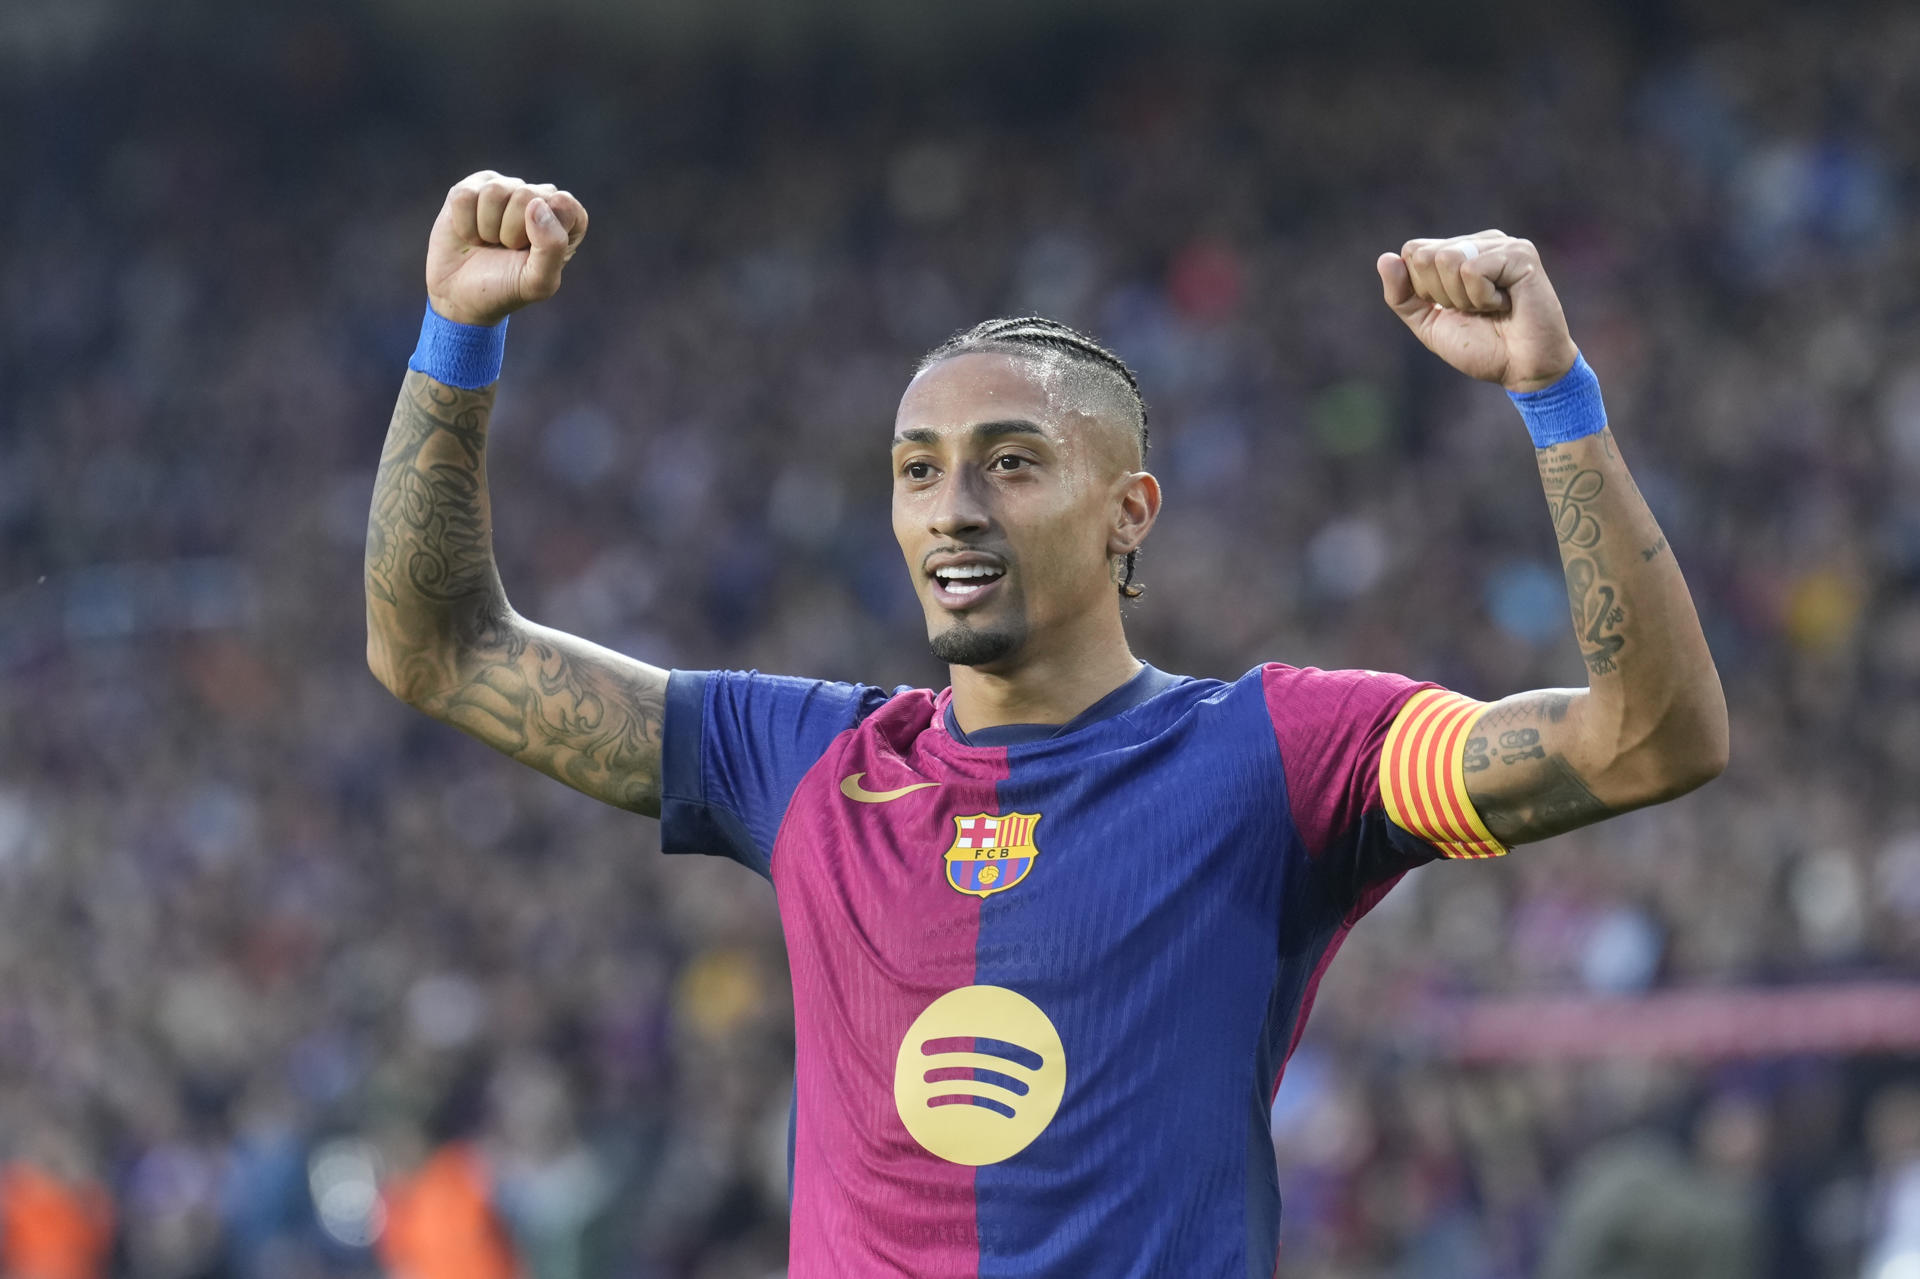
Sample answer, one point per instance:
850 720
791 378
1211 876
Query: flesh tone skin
1001 456
1014 462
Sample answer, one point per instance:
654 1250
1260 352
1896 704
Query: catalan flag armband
1423 777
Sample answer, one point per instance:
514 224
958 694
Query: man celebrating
1054 929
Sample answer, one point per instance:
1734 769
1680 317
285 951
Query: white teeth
965 579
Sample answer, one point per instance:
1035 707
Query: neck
1045 684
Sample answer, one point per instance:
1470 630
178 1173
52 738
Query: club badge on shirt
991 852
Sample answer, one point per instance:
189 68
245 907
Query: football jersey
1044 987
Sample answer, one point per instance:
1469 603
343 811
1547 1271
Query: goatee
964 645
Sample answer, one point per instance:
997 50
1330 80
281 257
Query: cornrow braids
1037 335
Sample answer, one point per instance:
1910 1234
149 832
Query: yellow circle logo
979 1075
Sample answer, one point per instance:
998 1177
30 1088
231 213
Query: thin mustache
1002 556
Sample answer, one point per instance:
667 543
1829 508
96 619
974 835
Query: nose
960 507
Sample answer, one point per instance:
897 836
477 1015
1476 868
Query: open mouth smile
963 583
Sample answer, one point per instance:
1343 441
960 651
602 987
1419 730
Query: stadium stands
268 940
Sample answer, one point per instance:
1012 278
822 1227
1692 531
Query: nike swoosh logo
851 788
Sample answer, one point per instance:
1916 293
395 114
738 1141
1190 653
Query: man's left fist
1483 304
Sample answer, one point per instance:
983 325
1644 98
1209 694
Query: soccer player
1055 928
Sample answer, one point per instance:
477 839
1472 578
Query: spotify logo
980 1075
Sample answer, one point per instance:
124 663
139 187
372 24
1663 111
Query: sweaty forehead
1051 391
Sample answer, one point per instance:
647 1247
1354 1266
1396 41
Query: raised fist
1483 304
498 244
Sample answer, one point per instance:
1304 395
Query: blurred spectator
554 1188
1893 1136
1636 1208
56 1222
441 1222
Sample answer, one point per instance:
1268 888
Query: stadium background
267 938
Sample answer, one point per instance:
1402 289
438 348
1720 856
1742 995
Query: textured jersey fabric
1043 992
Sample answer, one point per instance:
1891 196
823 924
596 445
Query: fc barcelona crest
990 852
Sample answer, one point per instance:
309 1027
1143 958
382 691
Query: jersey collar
1147 683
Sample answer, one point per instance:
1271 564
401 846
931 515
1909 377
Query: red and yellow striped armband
1423 779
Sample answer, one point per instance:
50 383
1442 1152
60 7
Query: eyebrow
984 431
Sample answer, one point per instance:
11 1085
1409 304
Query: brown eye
917 470
1009 462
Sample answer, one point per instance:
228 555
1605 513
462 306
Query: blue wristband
464 355
1570 409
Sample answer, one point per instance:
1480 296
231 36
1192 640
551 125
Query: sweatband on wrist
1570 409
464 355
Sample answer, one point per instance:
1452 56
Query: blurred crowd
294 983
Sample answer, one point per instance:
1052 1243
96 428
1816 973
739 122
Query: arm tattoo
1515 746
571 711
428 532
430 580
447 640
1567 498
1522 788
1555 802
1520 744
1572 496
1546 704
1652 720
1596 617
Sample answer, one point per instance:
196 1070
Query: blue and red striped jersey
1045 981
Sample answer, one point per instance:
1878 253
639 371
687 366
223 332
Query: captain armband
1423 778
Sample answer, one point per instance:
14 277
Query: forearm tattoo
1594 598
1531 770
442 629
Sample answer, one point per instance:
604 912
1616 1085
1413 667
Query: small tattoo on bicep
1558 802
1475 758
1655 549
1547 704
1521 744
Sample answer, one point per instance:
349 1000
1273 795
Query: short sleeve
1368 759
736 745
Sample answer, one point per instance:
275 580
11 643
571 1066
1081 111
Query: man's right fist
498 244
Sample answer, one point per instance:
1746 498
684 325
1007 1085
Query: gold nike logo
851 788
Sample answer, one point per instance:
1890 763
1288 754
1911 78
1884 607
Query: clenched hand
498 244
1483 304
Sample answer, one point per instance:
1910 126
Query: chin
960 643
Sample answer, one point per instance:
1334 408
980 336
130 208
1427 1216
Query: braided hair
1034 335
